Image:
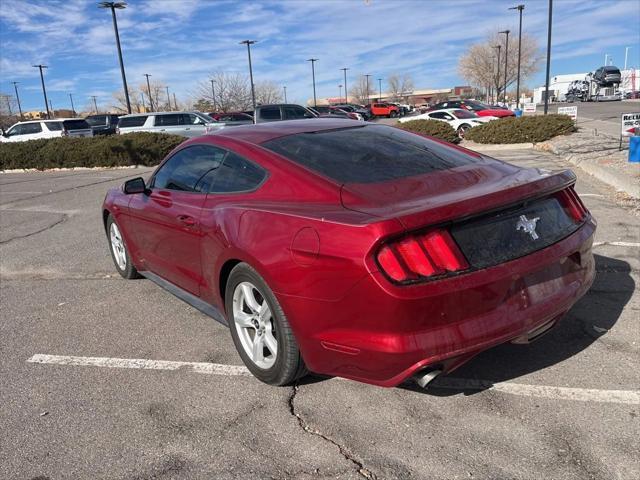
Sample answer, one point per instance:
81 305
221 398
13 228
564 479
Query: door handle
186 220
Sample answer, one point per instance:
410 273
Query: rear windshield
76 125
138 121
54 126
368 154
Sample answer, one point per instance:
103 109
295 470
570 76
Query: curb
481 147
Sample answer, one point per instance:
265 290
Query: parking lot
106 378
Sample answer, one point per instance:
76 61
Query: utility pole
44 90
346 92
313 75
168 99
248 43
498 47
380 86
285 93
113 6
213 94
367 77
149 90
506 64
95 105
546 85
175 102
73 110
340 92
626 52
15 86
520 8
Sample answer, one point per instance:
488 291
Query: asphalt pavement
91 384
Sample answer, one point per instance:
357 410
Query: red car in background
383 110
357 250
479 108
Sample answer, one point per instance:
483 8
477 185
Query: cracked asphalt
60 295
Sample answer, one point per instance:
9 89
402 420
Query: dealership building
413 97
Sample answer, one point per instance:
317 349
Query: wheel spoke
243 319
257 350
249 298
264 313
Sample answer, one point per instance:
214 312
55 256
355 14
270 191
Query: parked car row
38 129
461 120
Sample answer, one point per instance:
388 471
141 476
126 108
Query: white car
461 120
186 124
38 129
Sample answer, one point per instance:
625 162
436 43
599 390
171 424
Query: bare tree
479 65
8 110
232 92
358 92
267 92
139 98
400 86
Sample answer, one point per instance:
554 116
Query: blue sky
181 42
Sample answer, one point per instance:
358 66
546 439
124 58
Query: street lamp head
118 5
517 7
505 31
248 42
39 66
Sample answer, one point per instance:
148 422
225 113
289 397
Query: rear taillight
421 256
572 204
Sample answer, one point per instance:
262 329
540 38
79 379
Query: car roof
160 113
263 132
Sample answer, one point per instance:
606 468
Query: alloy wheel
254 324
117 246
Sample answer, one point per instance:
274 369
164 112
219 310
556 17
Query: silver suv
186 124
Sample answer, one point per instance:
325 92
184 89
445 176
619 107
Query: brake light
418 257
572 204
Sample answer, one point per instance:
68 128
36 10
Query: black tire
289 365
129 272
393 114
462 130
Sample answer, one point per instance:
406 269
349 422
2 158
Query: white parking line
617 244
630 397
139 363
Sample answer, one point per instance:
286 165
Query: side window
54 126
270 113
29 128
188 170
169 120
235 175
137 121
446 116
438 115
17 130
294 113
191 119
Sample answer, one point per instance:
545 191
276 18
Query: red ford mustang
357 250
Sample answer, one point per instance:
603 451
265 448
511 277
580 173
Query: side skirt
187 297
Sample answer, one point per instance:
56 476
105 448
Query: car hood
455 193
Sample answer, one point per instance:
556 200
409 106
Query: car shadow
590 318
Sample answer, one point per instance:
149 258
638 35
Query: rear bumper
383 334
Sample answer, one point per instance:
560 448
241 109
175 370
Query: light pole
113 6
498 47
284 89
519 8
15 86
506 64
95 105
626 52
546 85
313 75
73 110
44 90
149 90
248 43
380 86
168 98
367 77
346 92
213 94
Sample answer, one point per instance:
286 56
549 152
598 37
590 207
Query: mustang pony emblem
529 226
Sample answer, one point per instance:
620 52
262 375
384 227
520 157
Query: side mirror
135 185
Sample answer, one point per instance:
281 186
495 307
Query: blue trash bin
518 112
634 149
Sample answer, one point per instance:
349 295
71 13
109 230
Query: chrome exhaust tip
425 377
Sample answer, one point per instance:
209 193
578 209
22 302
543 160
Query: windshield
206 117
464 114
476 106
368 154
97 120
